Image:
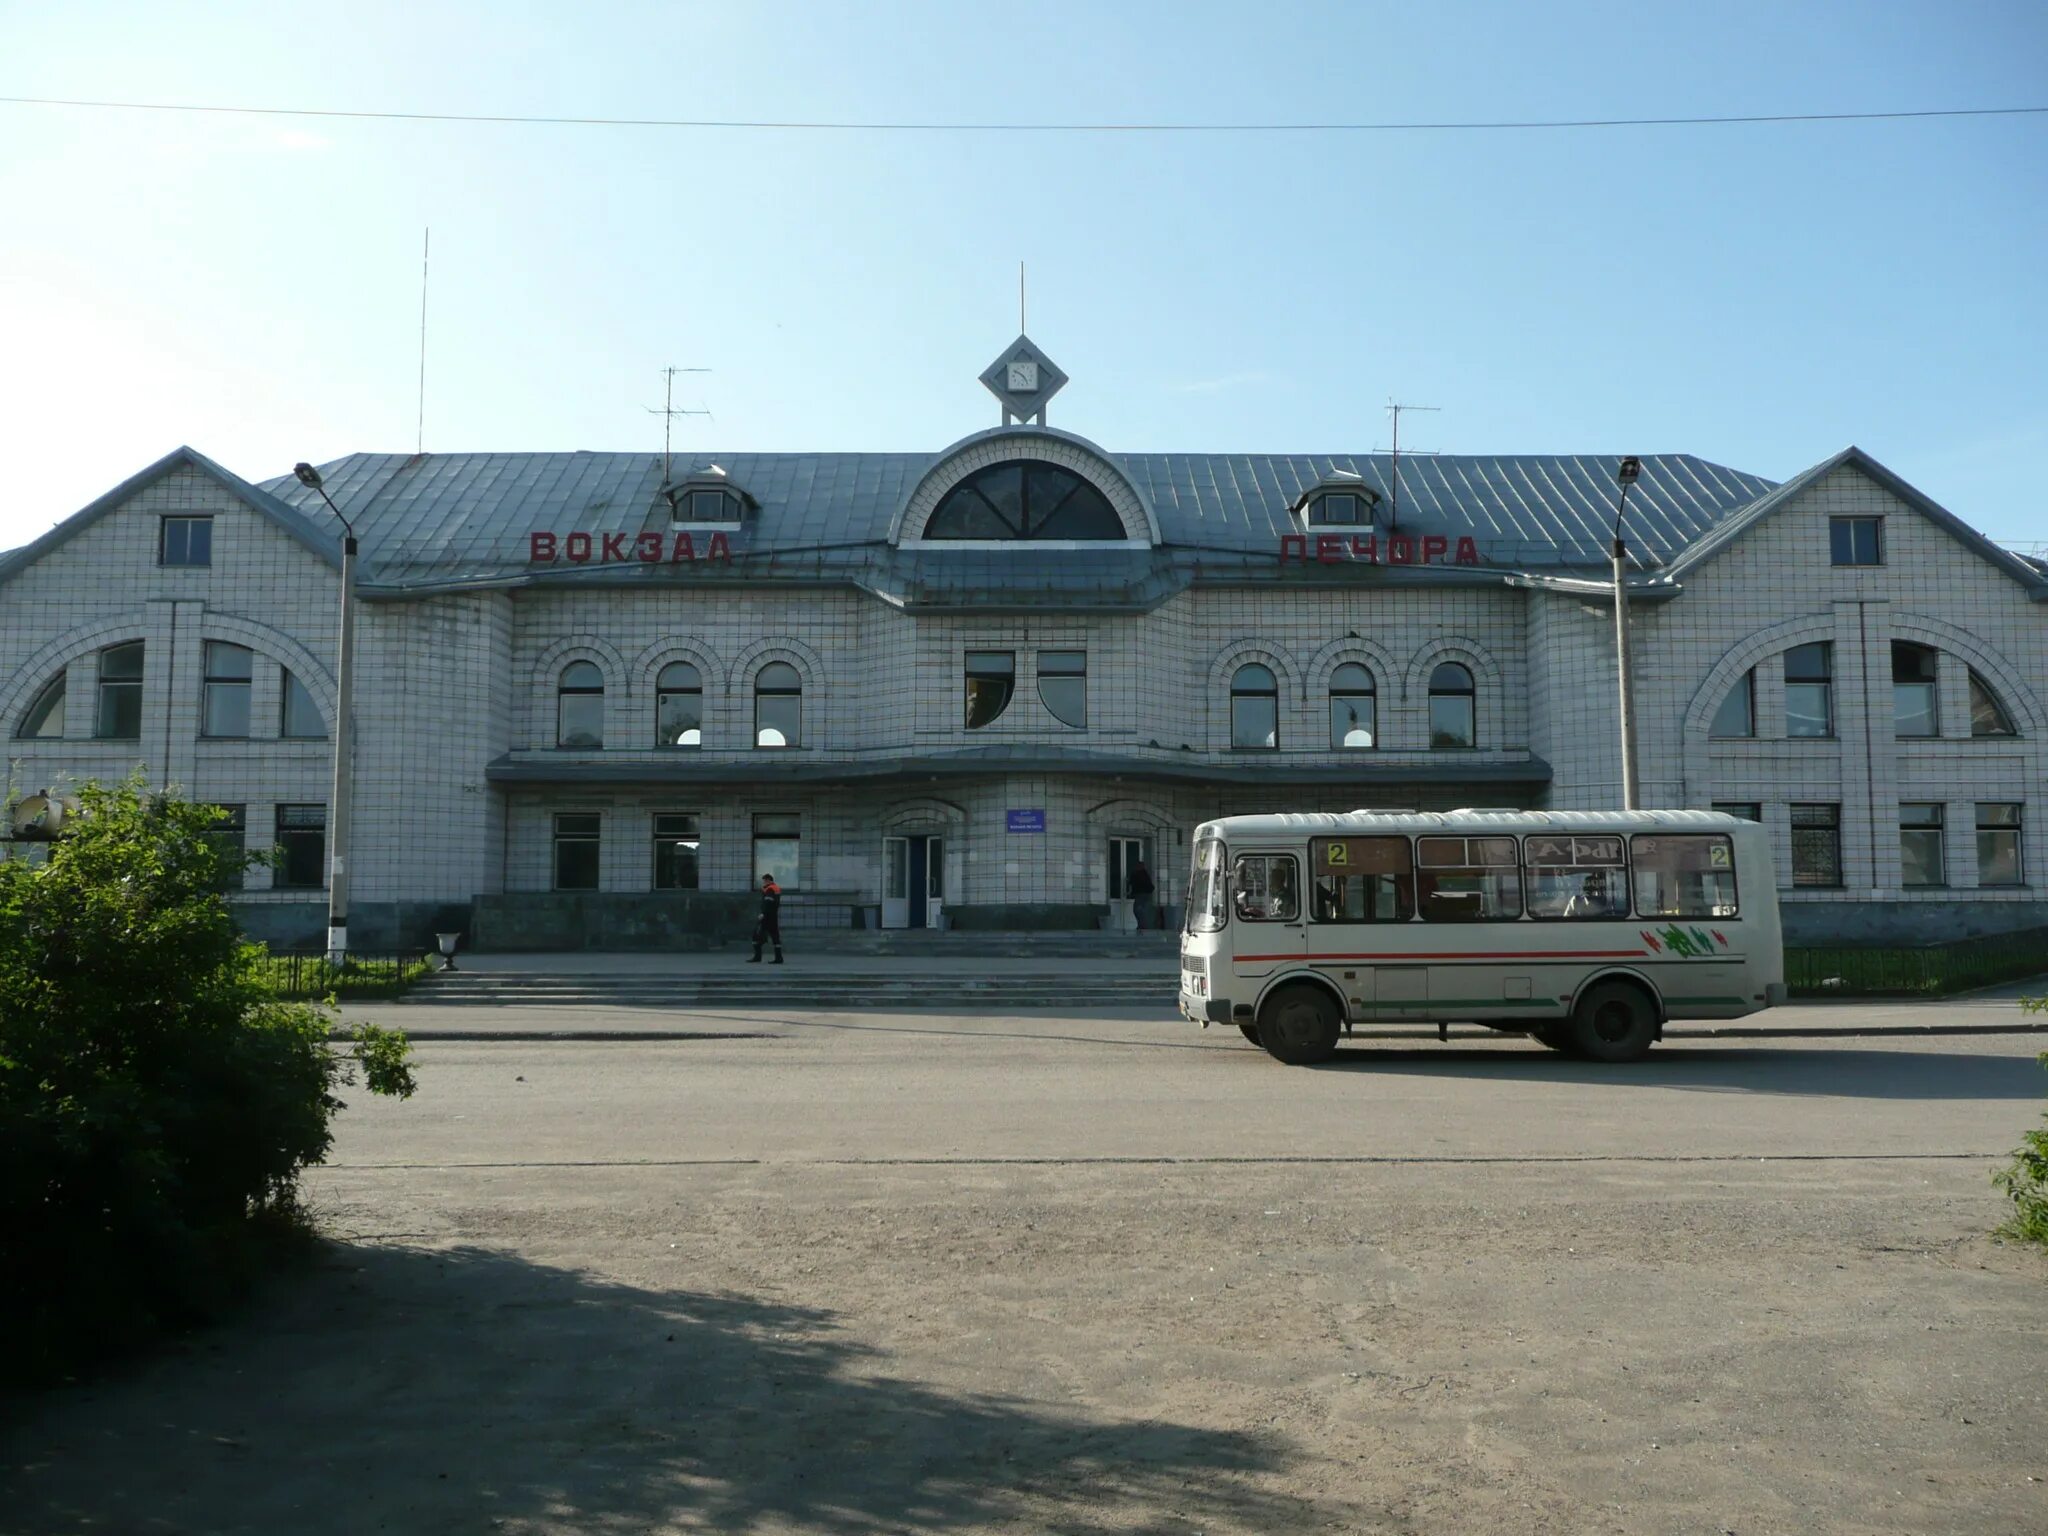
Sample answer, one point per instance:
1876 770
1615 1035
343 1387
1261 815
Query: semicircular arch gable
2001 674
1745 653
279 647
94 635
1041 444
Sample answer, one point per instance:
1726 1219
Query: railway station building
972 686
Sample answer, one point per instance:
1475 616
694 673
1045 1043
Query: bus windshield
1206 880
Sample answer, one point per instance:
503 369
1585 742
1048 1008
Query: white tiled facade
456 696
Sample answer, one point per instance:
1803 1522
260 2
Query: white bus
1585 929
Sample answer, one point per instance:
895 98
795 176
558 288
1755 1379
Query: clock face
1023 376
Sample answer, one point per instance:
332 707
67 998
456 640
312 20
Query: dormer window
706 499
1341 501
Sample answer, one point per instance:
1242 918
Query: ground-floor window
778 849
1817 845
675 852
1744 810
1998 843
1921 860
301 847
229 837
576 845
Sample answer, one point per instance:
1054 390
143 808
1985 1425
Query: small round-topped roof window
1024 499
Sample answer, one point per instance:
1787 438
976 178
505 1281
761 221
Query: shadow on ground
1828 1072
416 1390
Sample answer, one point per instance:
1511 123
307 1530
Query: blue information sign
1027 821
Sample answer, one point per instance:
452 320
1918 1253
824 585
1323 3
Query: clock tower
1023 379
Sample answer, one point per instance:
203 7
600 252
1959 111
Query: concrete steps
767 986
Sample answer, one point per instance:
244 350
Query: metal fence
309 974
1928 970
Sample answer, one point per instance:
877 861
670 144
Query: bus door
1361 901
1266 913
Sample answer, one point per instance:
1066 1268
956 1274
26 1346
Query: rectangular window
1362 880
301 847
185 541
1063 686
302 718
1468 879
1340 507
577 834
1810 689
1575 877
1856 540
1268 889
229 837
675 852
1692 875
778 849
120 702
1746 810
1998 843
991 683
1737 714
1817 845
1920 844
1914 670
224 707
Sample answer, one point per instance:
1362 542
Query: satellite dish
41 818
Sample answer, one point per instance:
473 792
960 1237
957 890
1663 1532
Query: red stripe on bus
1466 954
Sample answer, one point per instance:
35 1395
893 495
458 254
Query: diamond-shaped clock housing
1023 404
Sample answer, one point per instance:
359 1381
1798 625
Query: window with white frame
1998 843
1922 860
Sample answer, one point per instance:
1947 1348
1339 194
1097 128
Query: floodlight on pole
343 792
1626 474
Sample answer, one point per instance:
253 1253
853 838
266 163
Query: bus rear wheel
1614 1021
1299 1025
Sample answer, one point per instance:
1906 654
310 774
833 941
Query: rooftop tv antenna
1394 502
419 441
668 413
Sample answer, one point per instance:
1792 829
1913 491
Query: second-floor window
302 718
1914 668
1737 714
185 541
1351 708
1810 690
1452 721
579 706
1063 686
224 709
119 717
991 683
679 706
1254 707
778 706
1856 540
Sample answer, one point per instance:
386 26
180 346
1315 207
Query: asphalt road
859 1274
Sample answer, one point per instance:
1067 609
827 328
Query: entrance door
1125 854
934 879
895 882
920 882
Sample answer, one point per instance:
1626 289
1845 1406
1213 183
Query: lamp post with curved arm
344 702
1627 472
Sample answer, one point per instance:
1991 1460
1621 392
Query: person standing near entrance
770 925
1138 887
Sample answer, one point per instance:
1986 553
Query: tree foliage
157 1102
2025 1178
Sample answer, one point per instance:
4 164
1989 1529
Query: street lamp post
344 703
1627 473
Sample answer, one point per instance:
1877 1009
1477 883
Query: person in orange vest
770 925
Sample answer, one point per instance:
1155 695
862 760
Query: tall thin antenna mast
1021 326
1394 504
419 441
668 414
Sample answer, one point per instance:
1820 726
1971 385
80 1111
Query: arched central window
1254 707
1351 708
45 717
579 706
778 706
1024 499
1451 722
679 706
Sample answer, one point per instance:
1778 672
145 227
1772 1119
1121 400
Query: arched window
1737 714
579 706
120 703
1024 499
45 717
679 706
1351 708
1451 707
778 706
1914 669
302 717
1254 707
1988 715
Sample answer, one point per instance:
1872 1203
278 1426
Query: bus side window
1362 880
1267 889
1690 875
1570 877
1469 879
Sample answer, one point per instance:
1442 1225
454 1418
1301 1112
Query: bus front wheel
1615 1021
1299 1025
1250 1032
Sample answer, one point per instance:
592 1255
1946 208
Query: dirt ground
711 1341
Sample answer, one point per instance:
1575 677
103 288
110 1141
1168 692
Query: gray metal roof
440 518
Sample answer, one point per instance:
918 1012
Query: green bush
158 1101
2025 1179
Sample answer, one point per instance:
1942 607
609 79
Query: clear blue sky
1758 295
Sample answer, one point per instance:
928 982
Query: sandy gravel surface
577 1293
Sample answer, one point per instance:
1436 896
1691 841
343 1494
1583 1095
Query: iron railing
1928 970
307 974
